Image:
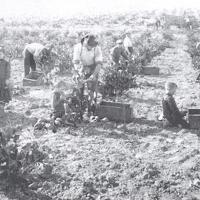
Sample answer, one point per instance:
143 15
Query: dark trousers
183 123
29 62
5 93
176 122
130 49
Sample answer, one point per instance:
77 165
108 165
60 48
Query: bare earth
102 161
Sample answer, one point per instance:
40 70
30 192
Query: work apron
87 71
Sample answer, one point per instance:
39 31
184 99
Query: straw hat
92 40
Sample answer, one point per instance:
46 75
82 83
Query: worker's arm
124 55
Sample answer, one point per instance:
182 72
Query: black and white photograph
99 100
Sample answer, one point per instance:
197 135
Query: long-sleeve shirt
87 57
170 109
4 71
34 48
116 53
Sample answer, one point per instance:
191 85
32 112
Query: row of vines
146 48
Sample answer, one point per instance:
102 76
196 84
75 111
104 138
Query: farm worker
88 60
188 22
35 53
171 114
157 23
58 104
5 94
128 44
117 53
58 98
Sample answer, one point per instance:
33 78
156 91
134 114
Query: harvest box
114 111
194 118
150 70
33 79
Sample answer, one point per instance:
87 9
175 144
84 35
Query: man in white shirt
128 44
35 52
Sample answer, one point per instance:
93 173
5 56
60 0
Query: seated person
171 114
58 104
58 101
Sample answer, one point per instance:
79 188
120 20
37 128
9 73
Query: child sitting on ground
58 104
58 101
171 114
5 94
59 109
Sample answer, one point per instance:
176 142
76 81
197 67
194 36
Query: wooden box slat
194 118
33 79
150 70
114 111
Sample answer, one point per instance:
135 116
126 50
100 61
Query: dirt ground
101 161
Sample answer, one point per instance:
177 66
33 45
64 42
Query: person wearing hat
35 53
5 94
87 59
118 52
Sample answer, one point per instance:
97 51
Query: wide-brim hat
92 40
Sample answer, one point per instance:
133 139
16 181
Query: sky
68 8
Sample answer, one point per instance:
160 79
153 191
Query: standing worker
88 59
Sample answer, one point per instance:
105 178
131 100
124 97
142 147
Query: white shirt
34 48
86 57
127 43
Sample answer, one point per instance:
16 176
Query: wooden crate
194 118
114 111
150 70
33 79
